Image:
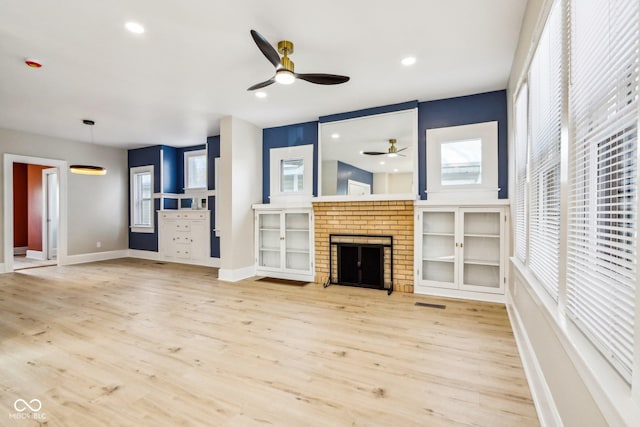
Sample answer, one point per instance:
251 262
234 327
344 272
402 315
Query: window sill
612 394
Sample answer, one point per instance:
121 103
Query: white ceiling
172 84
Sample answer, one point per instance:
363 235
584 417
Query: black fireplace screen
361 260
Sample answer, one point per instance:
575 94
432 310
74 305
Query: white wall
567 392
241 173
97 205
329 177
392 183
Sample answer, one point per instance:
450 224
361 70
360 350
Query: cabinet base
459 294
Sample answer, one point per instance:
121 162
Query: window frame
487 189
276 157
187 156
133 202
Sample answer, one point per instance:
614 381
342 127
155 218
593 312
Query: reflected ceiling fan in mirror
285 68
391 152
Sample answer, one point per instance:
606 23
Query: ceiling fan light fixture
392 154
285 77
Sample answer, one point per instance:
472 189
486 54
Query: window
545 108
142 199
291 175
521 151
291 172
195 170
603 170
462 162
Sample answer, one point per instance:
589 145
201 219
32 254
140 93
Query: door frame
45 211
61 166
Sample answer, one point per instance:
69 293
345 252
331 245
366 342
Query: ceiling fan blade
266 83
267 50
402 149
323 79
374 153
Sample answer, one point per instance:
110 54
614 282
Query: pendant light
87 169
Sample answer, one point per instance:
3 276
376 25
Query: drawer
180 238
180 251
182 226
203 214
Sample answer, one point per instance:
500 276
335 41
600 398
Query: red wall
20 206
34 191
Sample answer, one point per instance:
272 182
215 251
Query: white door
50 213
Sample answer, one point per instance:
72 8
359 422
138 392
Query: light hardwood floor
137 343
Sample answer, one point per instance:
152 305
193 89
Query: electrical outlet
98 244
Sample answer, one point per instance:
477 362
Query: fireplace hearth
361 260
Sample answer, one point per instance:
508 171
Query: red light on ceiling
33 63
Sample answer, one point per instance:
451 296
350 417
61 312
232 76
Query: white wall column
240 176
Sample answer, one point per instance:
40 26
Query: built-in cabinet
460 251
184 235
284 243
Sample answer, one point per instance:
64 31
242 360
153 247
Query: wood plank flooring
138 343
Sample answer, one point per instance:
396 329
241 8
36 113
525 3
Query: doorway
52 225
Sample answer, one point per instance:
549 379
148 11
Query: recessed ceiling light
261 94
409 60
395 170
361 152
335 135
134 27
382 163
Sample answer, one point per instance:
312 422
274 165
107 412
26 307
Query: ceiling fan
284 66
391 152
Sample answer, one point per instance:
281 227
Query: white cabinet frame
284 243
461 252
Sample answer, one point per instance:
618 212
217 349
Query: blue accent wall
348 172
213 151
288 136
170 160
465 110
145 157
369 111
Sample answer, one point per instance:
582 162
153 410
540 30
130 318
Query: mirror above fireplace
374 154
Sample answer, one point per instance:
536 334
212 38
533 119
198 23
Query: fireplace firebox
361 260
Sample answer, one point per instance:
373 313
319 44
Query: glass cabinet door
438 248
481 251
269 248
296 229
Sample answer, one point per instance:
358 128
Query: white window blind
603 217
545 102
521 138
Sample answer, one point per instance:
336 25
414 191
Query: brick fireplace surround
391 217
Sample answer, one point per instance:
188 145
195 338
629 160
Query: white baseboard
95 256
155 256
548 414
150 255
22 250
39 255
229 275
